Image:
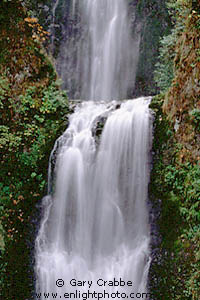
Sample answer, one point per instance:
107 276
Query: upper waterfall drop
108 73
99 60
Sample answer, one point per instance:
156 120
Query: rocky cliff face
182 101
156 24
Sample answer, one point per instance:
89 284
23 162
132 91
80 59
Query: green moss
177 185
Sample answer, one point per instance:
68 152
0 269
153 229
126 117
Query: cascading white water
96 221
95 224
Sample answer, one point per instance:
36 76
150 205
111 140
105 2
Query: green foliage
177 184
185 180
195 118
38 118
33 114
29 136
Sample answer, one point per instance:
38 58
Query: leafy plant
195 117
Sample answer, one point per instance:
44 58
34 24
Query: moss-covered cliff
175 178
33 114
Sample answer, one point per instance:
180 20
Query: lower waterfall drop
95 233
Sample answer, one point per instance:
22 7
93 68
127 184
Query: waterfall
99 57
94 234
